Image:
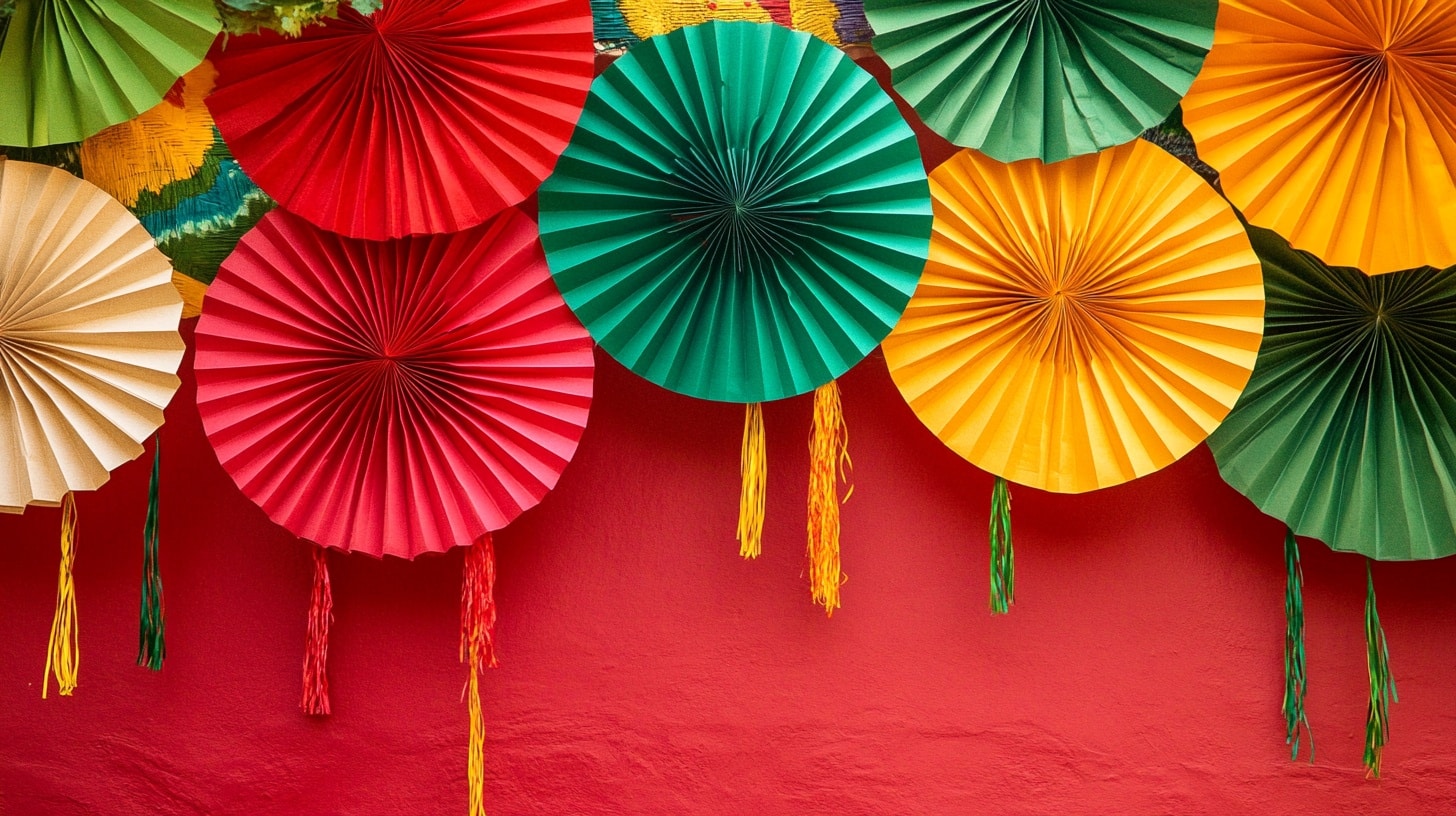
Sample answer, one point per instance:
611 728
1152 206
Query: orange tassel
828 465
316 652
477 646
753 465
64 652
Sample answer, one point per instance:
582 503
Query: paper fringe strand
1003 558
477 646
64 653
828 465
753 466
1295 683
152 639
1382 685
315 701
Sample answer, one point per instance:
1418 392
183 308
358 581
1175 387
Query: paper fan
1345 432
88 335
1040 79
741 215
1333 123
1079 324
74 67
427 116
393 397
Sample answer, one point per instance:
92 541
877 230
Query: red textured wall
646 669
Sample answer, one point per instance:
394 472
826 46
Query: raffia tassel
1003 557
1295 683
829 464
753 466
1382 685
477 647
63 656
152 638
315 701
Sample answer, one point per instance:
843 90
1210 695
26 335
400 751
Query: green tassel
1003 558
152 649
1295 683
1382 685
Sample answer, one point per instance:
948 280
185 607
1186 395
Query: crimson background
646 669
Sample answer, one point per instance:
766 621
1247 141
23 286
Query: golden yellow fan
1079 324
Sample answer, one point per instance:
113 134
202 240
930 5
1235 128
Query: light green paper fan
71 68
741 215
1046 79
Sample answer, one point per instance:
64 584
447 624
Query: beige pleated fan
89 347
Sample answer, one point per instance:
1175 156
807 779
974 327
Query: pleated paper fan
1047 79
1079 324
75 67
1345 432
89 347
741 215
396 397
1333 123
428 116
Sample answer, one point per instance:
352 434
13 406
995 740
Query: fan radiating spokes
1332 113
434 386
1079 324
741 214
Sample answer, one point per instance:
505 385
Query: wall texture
646 669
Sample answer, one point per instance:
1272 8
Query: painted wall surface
647 669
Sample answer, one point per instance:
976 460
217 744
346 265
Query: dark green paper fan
1347 430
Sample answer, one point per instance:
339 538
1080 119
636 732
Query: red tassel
477 645
316 653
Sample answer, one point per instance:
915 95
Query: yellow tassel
753 465
475 767
828 464
64 654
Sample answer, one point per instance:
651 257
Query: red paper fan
391 397
428 116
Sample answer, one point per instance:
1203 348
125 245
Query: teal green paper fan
1045 79
1347 430
72 68
742 213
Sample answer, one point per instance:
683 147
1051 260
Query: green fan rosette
1046 79
742 214
1347 430
72 68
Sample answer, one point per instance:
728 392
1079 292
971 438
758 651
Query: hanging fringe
1003 557
753 466
1295 683
1382 685
477 646
828 465
316 651
152 645
64 653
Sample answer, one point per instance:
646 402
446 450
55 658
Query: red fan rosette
391 397
428 116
